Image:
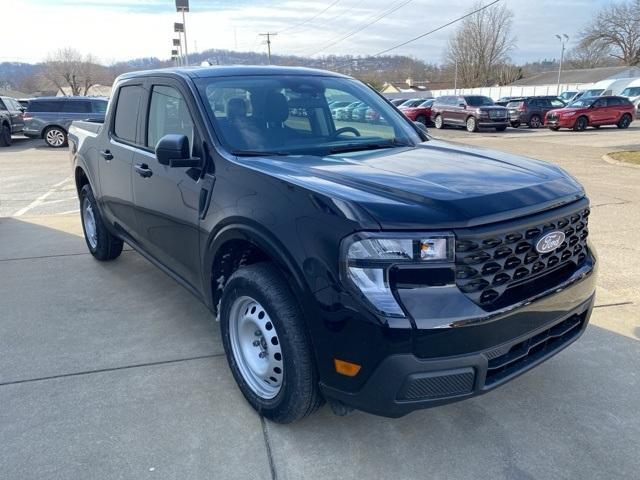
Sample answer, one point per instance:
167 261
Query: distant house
586 75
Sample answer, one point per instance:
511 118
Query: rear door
116 156
166 198
17 116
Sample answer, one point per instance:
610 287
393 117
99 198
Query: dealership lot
114 371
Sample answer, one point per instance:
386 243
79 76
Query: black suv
531 111
470 111
11 119
368 264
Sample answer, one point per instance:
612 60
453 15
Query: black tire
472 124
581 124
299 394
625 121
438 122
500 129
422 119
108 246
5 136
515 124
55 137
535 121
554 129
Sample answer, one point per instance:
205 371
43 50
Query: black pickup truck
363 263
11 119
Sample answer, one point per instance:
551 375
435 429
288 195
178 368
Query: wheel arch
243 242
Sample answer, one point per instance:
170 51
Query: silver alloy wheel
535 122
89 222
438 121
471 124
256 347
54 137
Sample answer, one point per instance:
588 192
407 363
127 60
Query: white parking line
40 200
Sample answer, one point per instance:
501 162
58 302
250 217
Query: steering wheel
342 130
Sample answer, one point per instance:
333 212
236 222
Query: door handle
106 154
143 170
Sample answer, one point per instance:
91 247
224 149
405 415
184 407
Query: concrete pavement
114 371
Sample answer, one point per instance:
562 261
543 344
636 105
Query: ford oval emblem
550 241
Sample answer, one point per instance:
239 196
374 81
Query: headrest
236 107
277 107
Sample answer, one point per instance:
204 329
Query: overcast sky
123 29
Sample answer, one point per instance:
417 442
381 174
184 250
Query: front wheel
535 121
266 344
438 122
472 124
5 136
102 244
581 124
55 137
625 121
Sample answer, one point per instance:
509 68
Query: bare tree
617 27
482 42
69 69
507 74
590 55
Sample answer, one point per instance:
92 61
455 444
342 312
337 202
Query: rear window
515 104
126 119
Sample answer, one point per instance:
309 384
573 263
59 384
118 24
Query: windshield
631 92
582 102
428 103
412 103
567 95
290 115
478 101
593 93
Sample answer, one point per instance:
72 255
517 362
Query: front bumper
491 123
477 354
560 122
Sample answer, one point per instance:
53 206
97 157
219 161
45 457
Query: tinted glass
99 106
593 93
428 103
45 106
515 104
555 103
478 101
168 113
631 92
290 115
602 102
583 102
2 105
76 106
127 112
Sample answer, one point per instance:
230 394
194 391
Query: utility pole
564 38
268 35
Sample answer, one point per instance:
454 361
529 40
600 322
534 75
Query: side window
76 106
600 103
556 103
611 102
98 106
126 119
2 107
168 113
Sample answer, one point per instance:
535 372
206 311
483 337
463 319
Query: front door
166 198
599 111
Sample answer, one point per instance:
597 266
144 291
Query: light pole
268 35
183 6
564 38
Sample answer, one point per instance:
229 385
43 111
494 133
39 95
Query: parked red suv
420 113
594 112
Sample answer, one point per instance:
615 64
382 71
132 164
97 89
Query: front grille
497 270
552 116
524 353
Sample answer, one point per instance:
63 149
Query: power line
308 19
384 14
436 29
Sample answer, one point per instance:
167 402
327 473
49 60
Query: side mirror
462 105
420 126
173 150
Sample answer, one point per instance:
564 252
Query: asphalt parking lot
114 371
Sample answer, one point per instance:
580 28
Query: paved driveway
114 371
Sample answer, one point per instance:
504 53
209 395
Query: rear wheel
581 124
266 344
438 121
535 121
101 243
472 124
515 124
5 136
55 137
625 121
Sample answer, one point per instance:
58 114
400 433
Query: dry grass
629 157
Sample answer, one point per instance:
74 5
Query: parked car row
48 118
475 111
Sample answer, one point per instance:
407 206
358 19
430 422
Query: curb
613 161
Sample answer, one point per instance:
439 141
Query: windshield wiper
257 153
355 147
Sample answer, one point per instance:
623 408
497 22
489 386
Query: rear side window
76 106
99 106
44 106
126 119
2 107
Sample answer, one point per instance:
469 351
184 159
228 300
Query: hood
433 185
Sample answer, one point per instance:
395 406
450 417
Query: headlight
367 259
568 114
